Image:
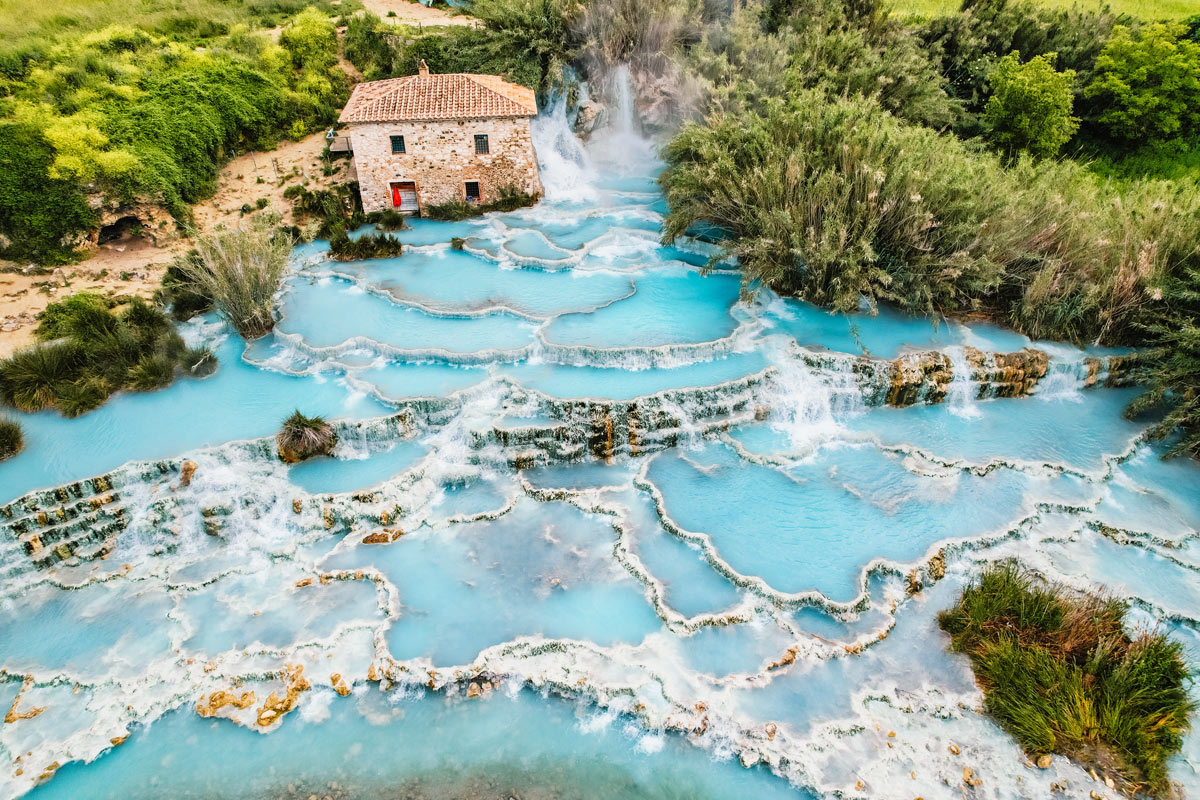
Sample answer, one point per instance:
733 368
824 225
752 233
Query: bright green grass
1145 9
29 22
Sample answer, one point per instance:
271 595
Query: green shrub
1030 106
968 44
179 293
387 220
11 439
1060 673
1147 84
304 437
54 321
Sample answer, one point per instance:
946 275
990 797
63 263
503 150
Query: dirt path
408 12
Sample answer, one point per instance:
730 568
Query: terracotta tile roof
434 97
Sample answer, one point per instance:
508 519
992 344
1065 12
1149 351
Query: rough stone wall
441 158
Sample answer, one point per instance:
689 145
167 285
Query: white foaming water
567 175
1064 378
963 392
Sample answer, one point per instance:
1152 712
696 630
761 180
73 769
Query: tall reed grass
241 270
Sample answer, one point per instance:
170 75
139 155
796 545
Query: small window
472 191
397 144
481 143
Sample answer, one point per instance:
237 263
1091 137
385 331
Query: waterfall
622 89
621 147
566 172
1064 378
808 403
962 393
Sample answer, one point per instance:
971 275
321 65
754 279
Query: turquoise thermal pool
599 524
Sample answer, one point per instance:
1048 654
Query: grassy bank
1146 9
1061 674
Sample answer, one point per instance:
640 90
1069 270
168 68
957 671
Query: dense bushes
371 245
1060 674
88 352
1147 84
837 200
124 113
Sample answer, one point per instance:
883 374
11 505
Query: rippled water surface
598 524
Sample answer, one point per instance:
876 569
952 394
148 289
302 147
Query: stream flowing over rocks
600 522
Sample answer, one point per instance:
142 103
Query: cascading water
963 391
597 526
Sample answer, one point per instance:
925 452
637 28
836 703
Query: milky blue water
598 524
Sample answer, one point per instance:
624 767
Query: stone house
426 139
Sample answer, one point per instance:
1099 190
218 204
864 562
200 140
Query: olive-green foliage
530 31
837 47
94 353
1171 371
1030 107
372 245
37 212
1060 673
969 43
127 113
55 321
337 207
1147 84
367 46
389 219
11 439
179 294
837 200
510 199
241 270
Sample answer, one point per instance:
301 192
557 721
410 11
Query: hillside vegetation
99 117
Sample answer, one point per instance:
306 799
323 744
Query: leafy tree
1148 83
1030 106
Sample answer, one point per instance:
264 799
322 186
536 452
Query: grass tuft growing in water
454 210
303 437
11 438
1061 674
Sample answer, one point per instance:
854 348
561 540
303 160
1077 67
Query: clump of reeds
241 270
387 220
11 439
303 437
88 352
1061 674
372 245
510 199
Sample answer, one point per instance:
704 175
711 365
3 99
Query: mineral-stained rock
297 506
13 715
1015 374
383 536
186 472
275 706
327 515
222 698
339 684
1045 760
771 730
919 376
591 115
